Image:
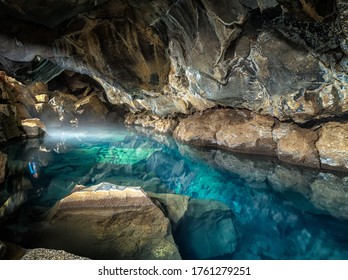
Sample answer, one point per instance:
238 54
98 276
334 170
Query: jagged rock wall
287 59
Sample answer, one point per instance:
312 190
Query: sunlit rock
33 127
49 254
42 98
206 230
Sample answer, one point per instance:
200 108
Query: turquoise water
281 211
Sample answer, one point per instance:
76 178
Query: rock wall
282 60
287 59
247 132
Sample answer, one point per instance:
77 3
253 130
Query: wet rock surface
246 132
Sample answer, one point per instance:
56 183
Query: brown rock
296 145
333 146
42 98
110 222
91 108
33 127
37 88
252 135
148 120
236 130
22 111
174 205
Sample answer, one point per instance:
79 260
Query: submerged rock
206 230
203 229
110 222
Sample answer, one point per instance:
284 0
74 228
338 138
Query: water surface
281 211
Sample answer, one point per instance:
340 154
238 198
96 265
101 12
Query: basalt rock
288 61
246 132
333 146
155 122
33 127
3 168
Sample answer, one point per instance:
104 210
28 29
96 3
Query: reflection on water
282 211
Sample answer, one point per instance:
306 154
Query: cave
174 129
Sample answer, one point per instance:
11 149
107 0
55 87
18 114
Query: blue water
281 211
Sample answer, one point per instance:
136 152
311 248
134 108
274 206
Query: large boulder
203 229
90 108
296 145
333 146
110 222
33 127
237 130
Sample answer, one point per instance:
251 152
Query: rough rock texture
279 59
30 107
3 167
246 132
333 146
310 190
158 124
110 222
33 127
288 60
296 145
